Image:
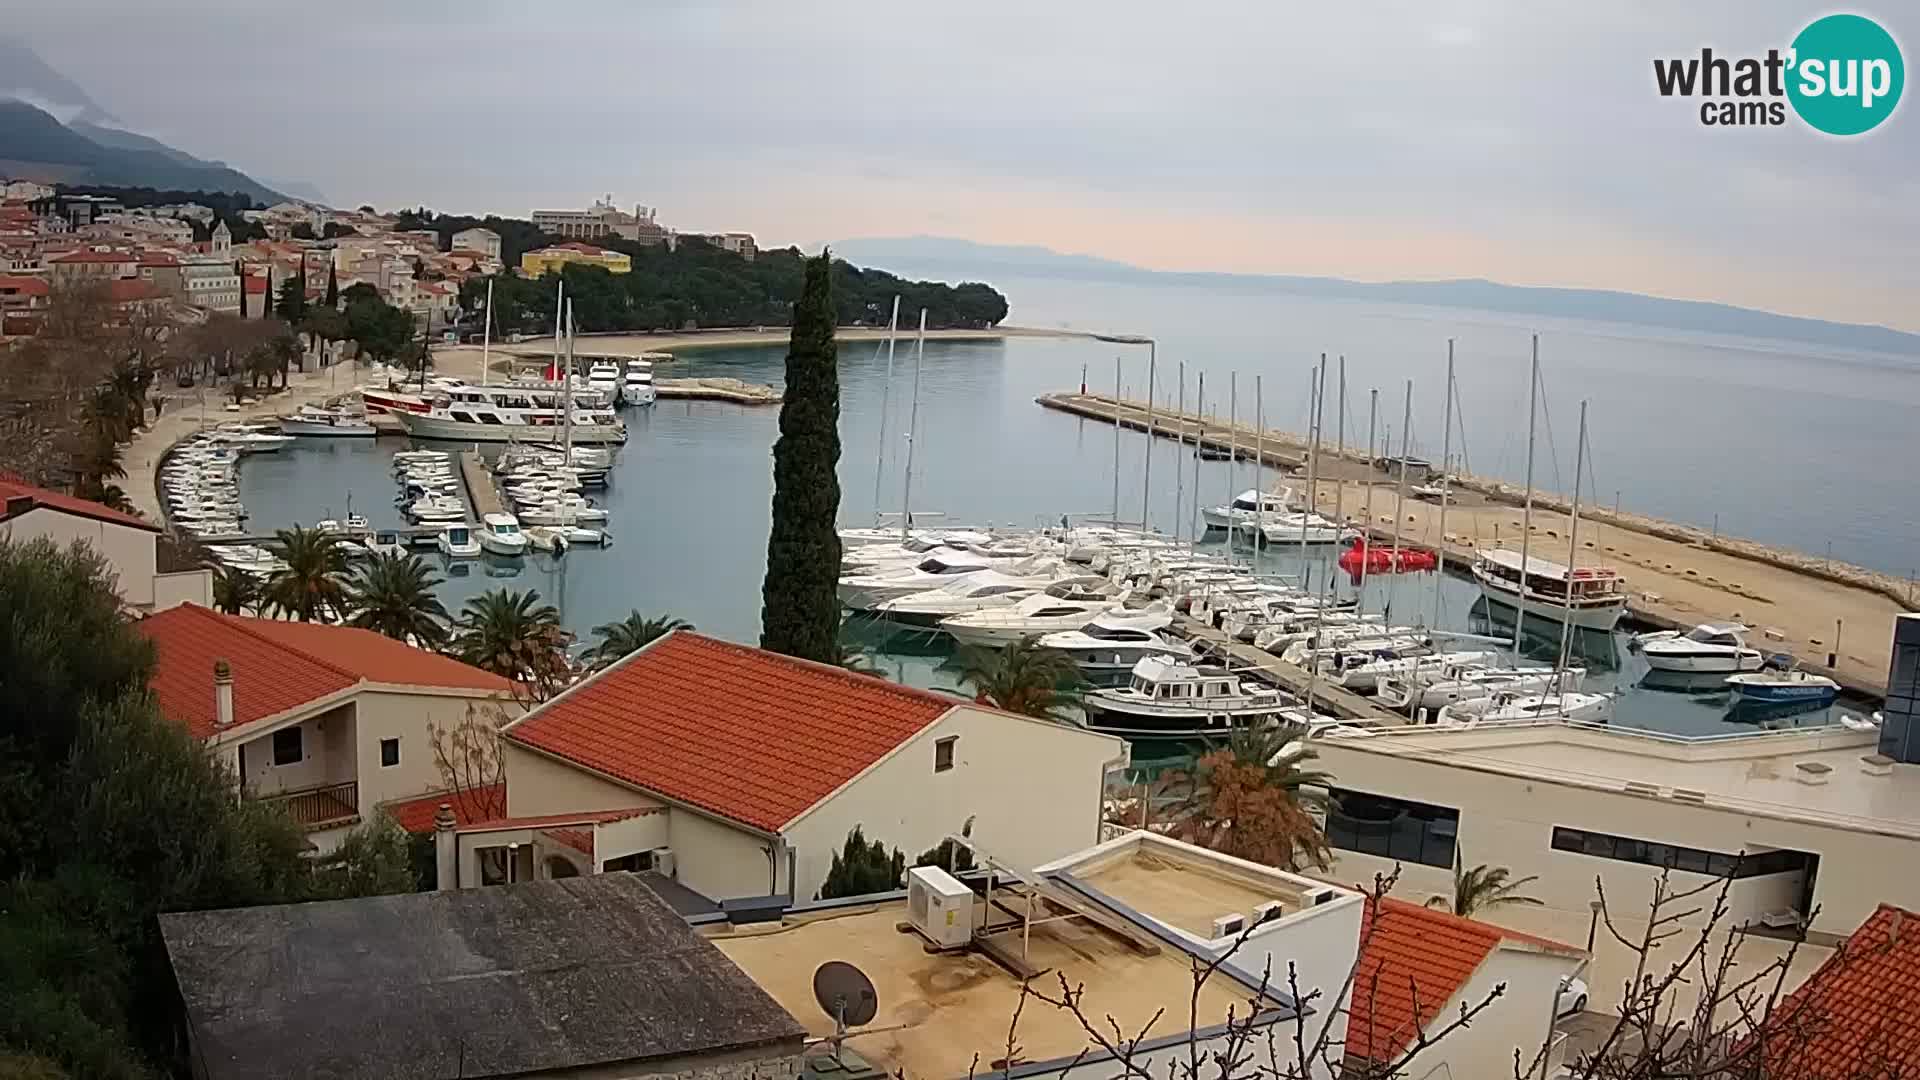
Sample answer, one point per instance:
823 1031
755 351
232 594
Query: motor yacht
970 592
1167 698
1775 688
1046 612
1114 641
500 534
863 592
1507 706
1437 688
313 421
457 542
1249 505
1597 600
1366 675
636 384
1708 647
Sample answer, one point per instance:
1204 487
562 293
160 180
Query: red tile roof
1855 1016
741 733
416 815
1414 949
94 257
542 821
12 487
282 665
23 286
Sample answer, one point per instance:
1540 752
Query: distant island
933 256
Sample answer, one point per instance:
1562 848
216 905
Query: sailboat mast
1446 488
559 322
1233 456
886 400
1339 457
913 427
1573 553
1306 512
486 335
1526 514
1146 473
1200 409
1400 495
1366 527
1180 437
1116 442
566 404
1259 463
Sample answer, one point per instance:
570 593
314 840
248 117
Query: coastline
626 343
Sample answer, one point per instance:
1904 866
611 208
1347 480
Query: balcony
324 807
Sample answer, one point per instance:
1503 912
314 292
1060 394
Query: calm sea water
1783 446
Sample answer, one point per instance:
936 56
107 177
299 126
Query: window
1392 828
943 753
505 863
288 747
1671 856
638 862
389 753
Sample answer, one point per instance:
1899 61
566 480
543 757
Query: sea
1779 442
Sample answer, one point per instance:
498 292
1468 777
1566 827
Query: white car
1572 999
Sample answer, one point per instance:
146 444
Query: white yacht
1293 528
311 420
603 377
1757 689
971 592
353 528
863 592
500 534
1165 698
1047 612
1438 688
1506 706
1116 640
251 441
1708 647
1368 674
431 509
385 542
457 542
636 385
523 412
1598 596
561 512
1249 505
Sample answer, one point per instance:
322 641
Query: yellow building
535 263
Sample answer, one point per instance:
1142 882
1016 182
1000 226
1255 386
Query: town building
586 978
23 303
604 219
1900 723
162 270
738 772
25 190
739 243
210 282
98 262
553 259
129 544
1805 821
481 241
330 722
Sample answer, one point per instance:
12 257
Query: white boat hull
346 429
1718 664
502 545
1593 616
434 427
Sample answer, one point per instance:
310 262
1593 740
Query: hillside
31 137
24 76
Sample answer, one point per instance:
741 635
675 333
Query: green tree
1022 677
381 330
514 635
1484 886
617 639
860 868
393 594
800 605
333 288
374 859
235 592
303 231
241 272
291 304
312 586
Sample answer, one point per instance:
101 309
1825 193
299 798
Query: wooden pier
1294 679
482 494
1274 449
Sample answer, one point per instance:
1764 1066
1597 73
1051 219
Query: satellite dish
846 994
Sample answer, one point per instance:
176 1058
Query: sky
1522 142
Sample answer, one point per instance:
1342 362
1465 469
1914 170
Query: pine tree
241 271
292 302
800 608
333 288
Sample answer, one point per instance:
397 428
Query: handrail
320 806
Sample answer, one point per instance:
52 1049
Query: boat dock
482 495
1327 697
733 391
1676 576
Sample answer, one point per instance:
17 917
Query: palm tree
1020 678
617 639
235 592
392 594
1483 887
312 585
515 635
1251 799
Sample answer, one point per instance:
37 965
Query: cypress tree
237 269
333 287
800 607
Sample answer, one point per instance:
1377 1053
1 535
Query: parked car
1572 999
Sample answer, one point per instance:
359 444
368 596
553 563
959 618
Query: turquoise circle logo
1846 74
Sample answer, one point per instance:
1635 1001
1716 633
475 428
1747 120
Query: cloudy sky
1431 138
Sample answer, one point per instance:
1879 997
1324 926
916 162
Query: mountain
36 146
952 259
299 189
26 77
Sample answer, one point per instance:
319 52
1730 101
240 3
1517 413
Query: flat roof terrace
1183 894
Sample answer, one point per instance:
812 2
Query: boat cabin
1251 501
1730 634
1164 680
1551 580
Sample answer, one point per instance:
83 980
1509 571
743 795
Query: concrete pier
1327 697
482 494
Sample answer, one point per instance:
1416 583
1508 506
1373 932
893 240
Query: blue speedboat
1782 688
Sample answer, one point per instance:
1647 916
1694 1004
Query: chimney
222 694
446 855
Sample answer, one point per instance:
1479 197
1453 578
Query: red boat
1383 560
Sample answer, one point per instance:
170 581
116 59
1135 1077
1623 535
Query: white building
127 543
739 772
484 241
24 189
210 283
604 219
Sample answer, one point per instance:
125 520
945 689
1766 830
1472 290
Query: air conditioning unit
1316 897
1229 925
939 907
662 861
1267 912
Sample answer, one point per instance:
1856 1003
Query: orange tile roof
741 733
23 286
416 815
84 256
1414 949
12 487
282 665
1855 1016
